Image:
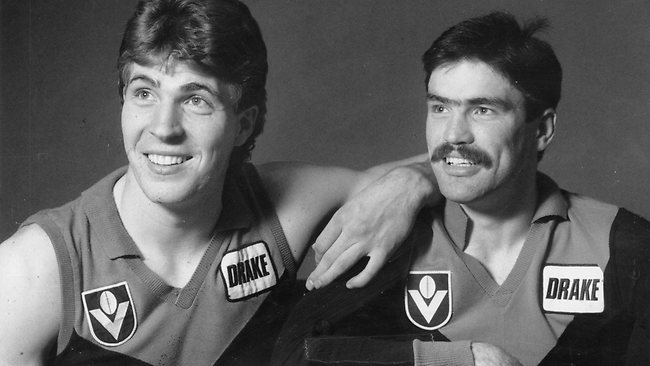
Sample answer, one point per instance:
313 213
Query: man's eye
143 94
198 104
483 110
438 108
197 101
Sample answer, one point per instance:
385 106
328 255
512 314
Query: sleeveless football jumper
117 311
578 294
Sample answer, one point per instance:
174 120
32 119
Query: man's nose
458 130
167 122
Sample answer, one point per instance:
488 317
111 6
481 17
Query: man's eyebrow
143 78
189 87
497 102
194 86
437 98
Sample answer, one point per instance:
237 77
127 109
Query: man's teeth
458 161
166 159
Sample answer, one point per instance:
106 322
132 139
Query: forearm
418 182
413 172
410 180
381 169
376 218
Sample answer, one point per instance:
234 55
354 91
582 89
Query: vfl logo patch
110 314
573 289
427 299
248 272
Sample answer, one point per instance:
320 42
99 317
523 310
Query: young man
510 269
186 256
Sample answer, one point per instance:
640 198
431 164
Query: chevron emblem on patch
427 298
110 314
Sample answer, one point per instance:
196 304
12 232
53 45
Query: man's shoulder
303 194
98 193
626 228
585 204
30 308
74 218
27 255
592 214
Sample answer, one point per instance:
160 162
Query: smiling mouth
167 160
451 161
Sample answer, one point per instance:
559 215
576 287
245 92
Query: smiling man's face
481 146
179 129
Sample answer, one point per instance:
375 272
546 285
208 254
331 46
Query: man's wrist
421 183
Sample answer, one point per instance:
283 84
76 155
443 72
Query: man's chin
168 193
458 196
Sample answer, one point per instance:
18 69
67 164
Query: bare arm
304 195
30 304
382 204
373 221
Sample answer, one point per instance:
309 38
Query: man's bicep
30 305
304 196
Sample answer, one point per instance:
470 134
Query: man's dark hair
510 49
220 36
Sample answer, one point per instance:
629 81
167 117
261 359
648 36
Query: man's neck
172 240
496 233
155 222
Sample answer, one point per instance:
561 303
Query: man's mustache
472 154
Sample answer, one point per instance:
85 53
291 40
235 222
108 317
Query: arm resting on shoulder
382 203
30 309
375 219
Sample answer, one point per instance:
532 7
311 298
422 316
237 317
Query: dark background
345 87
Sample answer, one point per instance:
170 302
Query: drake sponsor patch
573 289
427 299
248 271
110 314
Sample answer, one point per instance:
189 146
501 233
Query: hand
373 223
486 354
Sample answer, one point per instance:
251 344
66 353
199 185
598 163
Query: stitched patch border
428 299
248 271
573 289
110 314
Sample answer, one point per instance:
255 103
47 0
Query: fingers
332 266
312 280
326 239
325 261
375 263
322 265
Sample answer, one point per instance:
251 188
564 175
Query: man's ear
246 120
546 129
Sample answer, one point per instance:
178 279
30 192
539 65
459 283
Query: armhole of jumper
66 279
628 240
255 184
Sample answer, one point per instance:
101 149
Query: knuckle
325 261
337 267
